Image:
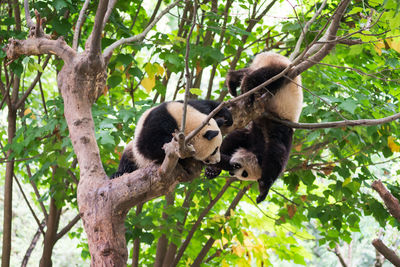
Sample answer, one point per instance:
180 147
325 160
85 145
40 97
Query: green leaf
59 4
147 238
114 80
196 91
349 105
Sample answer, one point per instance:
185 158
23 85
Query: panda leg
126 165
275 157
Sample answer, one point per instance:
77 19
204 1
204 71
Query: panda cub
156 126
261 152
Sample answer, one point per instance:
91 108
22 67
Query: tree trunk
5 260
79 86
51 233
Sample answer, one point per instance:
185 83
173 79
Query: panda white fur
156 126
265 140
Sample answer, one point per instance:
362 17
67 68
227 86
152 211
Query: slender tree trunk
32 246
136 242
51 233
7 218
162 244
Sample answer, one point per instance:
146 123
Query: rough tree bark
392 204
104 203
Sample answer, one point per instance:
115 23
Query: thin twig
211 240
199 220
137 38
36 191
188 75
21 101
31 247
28 18
79 23
95 36
335 124
305 30
110 8
68 227
29 205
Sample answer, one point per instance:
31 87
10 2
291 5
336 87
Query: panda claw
236 166
211 173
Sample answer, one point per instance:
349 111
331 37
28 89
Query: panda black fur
223 117
266 140
156 126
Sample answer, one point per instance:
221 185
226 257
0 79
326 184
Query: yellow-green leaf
394 44
346 181
148 83
392 145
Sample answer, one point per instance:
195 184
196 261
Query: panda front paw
236 165
211 172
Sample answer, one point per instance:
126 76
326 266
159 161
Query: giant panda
261 151
156 126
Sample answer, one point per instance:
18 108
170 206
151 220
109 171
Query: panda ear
234 78
210 134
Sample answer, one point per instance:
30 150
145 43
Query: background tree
115 59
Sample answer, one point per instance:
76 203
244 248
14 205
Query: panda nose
245 174
207 161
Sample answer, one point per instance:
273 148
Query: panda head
246 165
207 143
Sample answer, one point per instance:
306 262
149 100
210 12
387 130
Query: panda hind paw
260 198
211 172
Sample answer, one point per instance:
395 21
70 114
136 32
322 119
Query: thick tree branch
39 46
137 38
145 184
388 253
327 47
78 25
391 203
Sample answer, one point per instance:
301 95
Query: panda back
153 130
